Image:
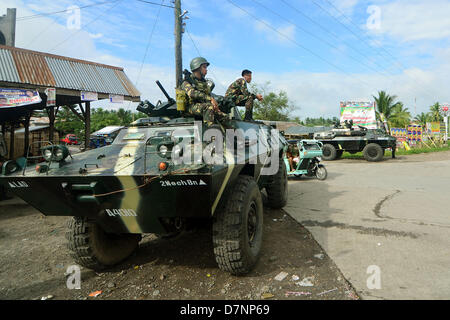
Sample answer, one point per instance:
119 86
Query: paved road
386 225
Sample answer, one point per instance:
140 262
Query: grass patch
400 152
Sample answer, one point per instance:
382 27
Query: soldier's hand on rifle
215 104
259 97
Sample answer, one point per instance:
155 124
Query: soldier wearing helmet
201 102
240 95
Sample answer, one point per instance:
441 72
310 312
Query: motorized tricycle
303 158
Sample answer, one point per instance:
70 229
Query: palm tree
385 104
422 119
435 115
400 116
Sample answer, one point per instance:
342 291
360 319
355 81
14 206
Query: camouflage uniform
200 101
241 97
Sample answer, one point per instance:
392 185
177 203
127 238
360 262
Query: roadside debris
325 292
47 297
95 293
307 282
281 276
295 277
297 293
267 295
319 256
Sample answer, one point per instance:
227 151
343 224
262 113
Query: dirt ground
34 260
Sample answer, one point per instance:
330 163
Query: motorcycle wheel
321 172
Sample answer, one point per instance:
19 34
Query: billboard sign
361 112
10 98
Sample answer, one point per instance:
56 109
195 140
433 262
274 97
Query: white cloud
412 20
283 35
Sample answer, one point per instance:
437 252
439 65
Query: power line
320 39
44 14
198 51
157 4
357 36
148 43
295 42
116 2
363 54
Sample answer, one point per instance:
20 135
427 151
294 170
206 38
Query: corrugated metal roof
43 69
8 71
33 69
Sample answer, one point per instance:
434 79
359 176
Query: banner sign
435 128
401 134
51 97
89 96
414 134
17 97
114 98
362 113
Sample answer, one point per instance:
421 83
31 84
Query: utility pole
178 32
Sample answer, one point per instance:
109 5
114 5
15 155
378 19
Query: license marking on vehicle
18 184
188 182
121 212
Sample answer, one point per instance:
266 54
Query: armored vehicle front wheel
329 152
277 190
238 227
93 248
373 152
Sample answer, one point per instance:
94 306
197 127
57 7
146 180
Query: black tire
95 249
277 189
373 152
238 228
339 154
328 152
321 172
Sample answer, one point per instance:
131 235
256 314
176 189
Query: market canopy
75 81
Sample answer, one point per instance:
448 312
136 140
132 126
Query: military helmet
197 62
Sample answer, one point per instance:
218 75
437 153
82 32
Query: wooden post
11 141
26 136
87 123
178 57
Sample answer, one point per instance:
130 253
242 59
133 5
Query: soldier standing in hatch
241 97
201 102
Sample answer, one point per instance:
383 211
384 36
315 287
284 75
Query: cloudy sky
319 51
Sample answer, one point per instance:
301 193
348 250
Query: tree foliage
274 107
68 122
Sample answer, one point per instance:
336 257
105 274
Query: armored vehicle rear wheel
93 248
328 152
373 152
237 229
277 190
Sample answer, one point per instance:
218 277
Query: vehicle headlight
55 153
163 150
47 154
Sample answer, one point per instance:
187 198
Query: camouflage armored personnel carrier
139 185
346 137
